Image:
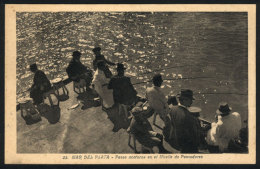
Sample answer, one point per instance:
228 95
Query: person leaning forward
40 85
77 71
186 129
143 132
100 57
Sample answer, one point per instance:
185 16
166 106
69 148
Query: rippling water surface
206 45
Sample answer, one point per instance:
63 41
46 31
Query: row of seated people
182 129
42 87
76 71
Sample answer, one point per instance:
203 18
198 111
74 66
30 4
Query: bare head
97 51
76 55
33 67
157 80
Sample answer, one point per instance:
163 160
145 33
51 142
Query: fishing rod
205 93
186 78
244 94
160 69
158 54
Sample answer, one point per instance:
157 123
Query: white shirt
156 98
100 84
226 129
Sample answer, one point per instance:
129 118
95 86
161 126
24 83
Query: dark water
209 44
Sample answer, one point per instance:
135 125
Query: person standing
98 57
156 99
100 82
77 71
225 129
124 92
186 129
41 84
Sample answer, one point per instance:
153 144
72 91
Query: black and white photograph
126 84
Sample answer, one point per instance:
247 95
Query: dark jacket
76 69
186 128
107 72
98 58
41 84
123 90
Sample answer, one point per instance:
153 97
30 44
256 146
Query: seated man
100 83
157 99
143 132
99 57
76 70
123 91
185 133
41 84
225 129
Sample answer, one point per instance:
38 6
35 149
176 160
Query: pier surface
79 130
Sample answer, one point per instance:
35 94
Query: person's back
123 90
41 80
76 69
228 128
225 129
177 115
156 98
186 128
40 85
98 58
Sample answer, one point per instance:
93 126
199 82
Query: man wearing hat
185 135
143 131
76 70
41 84
156 99
225 129
98 57
124 92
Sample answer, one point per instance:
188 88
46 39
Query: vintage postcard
130 84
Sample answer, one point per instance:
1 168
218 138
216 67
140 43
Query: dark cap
76 53
120 66
223 108
96 49
186 93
